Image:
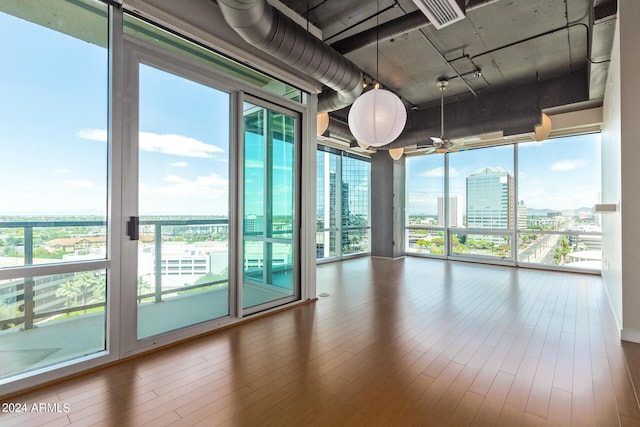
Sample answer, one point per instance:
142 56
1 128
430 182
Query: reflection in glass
269 206
327 218
342 203
355 205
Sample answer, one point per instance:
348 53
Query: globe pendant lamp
396 153
377 117
542 132
322 123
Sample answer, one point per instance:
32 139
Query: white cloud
567 165
204 195
79 183
179 164
254 164
61 170
178 145
438 172
99 135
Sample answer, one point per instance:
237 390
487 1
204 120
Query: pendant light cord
377 42
442 113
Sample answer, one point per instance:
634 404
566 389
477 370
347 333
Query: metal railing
29 314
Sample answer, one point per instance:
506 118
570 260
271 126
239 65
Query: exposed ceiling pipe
339 130
260 24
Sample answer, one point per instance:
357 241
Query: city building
522 215
490 200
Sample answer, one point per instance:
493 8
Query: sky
558 174
53 132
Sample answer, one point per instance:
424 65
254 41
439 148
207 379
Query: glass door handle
133 228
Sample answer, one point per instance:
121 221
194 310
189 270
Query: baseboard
631 335
386 257
613 311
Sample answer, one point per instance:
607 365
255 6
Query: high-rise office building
490 199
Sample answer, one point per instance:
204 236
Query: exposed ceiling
504 51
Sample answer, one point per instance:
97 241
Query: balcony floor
58 341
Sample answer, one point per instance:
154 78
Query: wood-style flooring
408 342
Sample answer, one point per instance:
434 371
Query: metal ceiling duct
263 26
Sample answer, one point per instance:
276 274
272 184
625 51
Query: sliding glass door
269 205
183 202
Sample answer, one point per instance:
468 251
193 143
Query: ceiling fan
442 144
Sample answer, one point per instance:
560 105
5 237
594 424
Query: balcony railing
571 248
12 291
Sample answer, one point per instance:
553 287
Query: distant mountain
539 212
564 212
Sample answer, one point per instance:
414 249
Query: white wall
611 192
621 173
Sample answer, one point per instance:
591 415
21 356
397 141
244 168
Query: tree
562 250
83 284
143 286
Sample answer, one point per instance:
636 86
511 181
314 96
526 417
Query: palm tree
83 284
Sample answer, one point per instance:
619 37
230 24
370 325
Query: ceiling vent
441 12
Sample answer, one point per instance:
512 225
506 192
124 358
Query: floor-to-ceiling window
54 252
528 204
342 204
558 187
425 207
482 183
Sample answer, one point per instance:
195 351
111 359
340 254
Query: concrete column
387 205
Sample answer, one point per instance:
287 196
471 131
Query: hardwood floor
406 342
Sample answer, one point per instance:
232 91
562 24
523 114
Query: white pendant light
542 132
396 153
377 117
322 123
